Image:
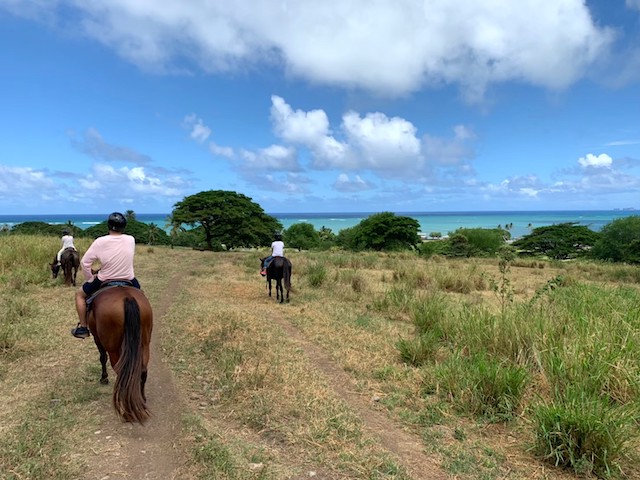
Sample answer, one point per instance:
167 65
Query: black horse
279 269
70 262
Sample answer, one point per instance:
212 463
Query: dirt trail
125 451
152 452
407 448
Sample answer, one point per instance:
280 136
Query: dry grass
257 375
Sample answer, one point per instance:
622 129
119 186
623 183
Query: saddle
106 286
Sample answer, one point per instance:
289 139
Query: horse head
55 268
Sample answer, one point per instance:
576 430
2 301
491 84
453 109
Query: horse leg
269 282
144 382
104 379
279 292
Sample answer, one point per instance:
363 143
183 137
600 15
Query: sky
320 106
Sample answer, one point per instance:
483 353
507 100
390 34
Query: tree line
225 220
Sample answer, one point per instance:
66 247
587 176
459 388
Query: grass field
527 369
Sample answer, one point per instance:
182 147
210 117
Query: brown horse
70 262
120 319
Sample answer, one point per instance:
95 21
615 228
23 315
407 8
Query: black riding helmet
65 231
117 222
277 236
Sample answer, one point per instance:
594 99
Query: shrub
619 241
584 432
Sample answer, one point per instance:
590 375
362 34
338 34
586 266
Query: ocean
430 222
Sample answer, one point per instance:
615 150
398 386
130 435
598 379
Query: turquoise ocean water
443 222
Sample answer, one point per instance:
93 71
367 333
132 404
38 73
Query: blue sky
332 106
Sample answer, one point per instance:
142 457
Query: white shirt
277 249
67 241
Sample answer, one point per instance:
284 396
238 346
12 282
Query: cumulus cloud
198 131
274 157
106 180
597 161
220 151
25 183
345 184
93 144
407 43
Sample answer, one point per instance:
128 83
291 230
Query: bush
583 432
382 232
619 241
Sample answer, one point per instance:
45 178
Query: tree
227 218
138 230
130 215
302 236
619 241
560 241
381 231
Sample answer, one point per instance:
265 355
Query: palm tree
130 215
153 232
175 228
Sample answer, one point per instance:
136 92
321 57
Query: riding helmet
278 236
65 231
117 222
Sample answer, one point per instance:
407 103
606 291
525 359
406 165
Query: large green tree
560 241
619 241
227 218
302 236
381 231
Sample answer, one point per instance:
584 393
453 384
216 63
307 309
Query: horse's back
108 315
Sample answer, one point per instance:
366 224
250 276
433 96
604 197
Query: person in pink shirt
115 253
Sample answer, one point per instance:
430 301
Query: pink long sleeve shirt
115 254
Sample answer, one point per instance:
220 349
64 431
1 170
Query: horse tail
286 273
128 399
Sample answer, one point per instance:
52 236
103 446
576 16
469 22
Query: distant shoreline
520 222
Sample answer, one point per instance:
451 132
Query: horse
279 269
70 262
120 319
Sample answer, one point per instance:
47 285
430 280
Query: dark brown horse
120 319
279 269
69 262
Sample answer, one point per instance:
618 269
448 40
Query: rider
115 253
67 242
277 250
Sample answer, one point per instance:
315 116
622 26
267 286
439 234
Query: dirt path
407 448
125 451
152 451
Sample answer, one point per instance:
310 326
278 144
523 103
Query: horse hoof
104 381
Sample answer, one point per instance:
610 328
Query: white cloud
198 130
306 128
24 182
598 161
383 143
389 46
345 184
633 4
220 151
105 180
274 157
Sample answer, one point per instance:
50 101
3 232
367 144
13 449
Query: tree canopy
227 218
619 241
302 236
560 241
381 231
